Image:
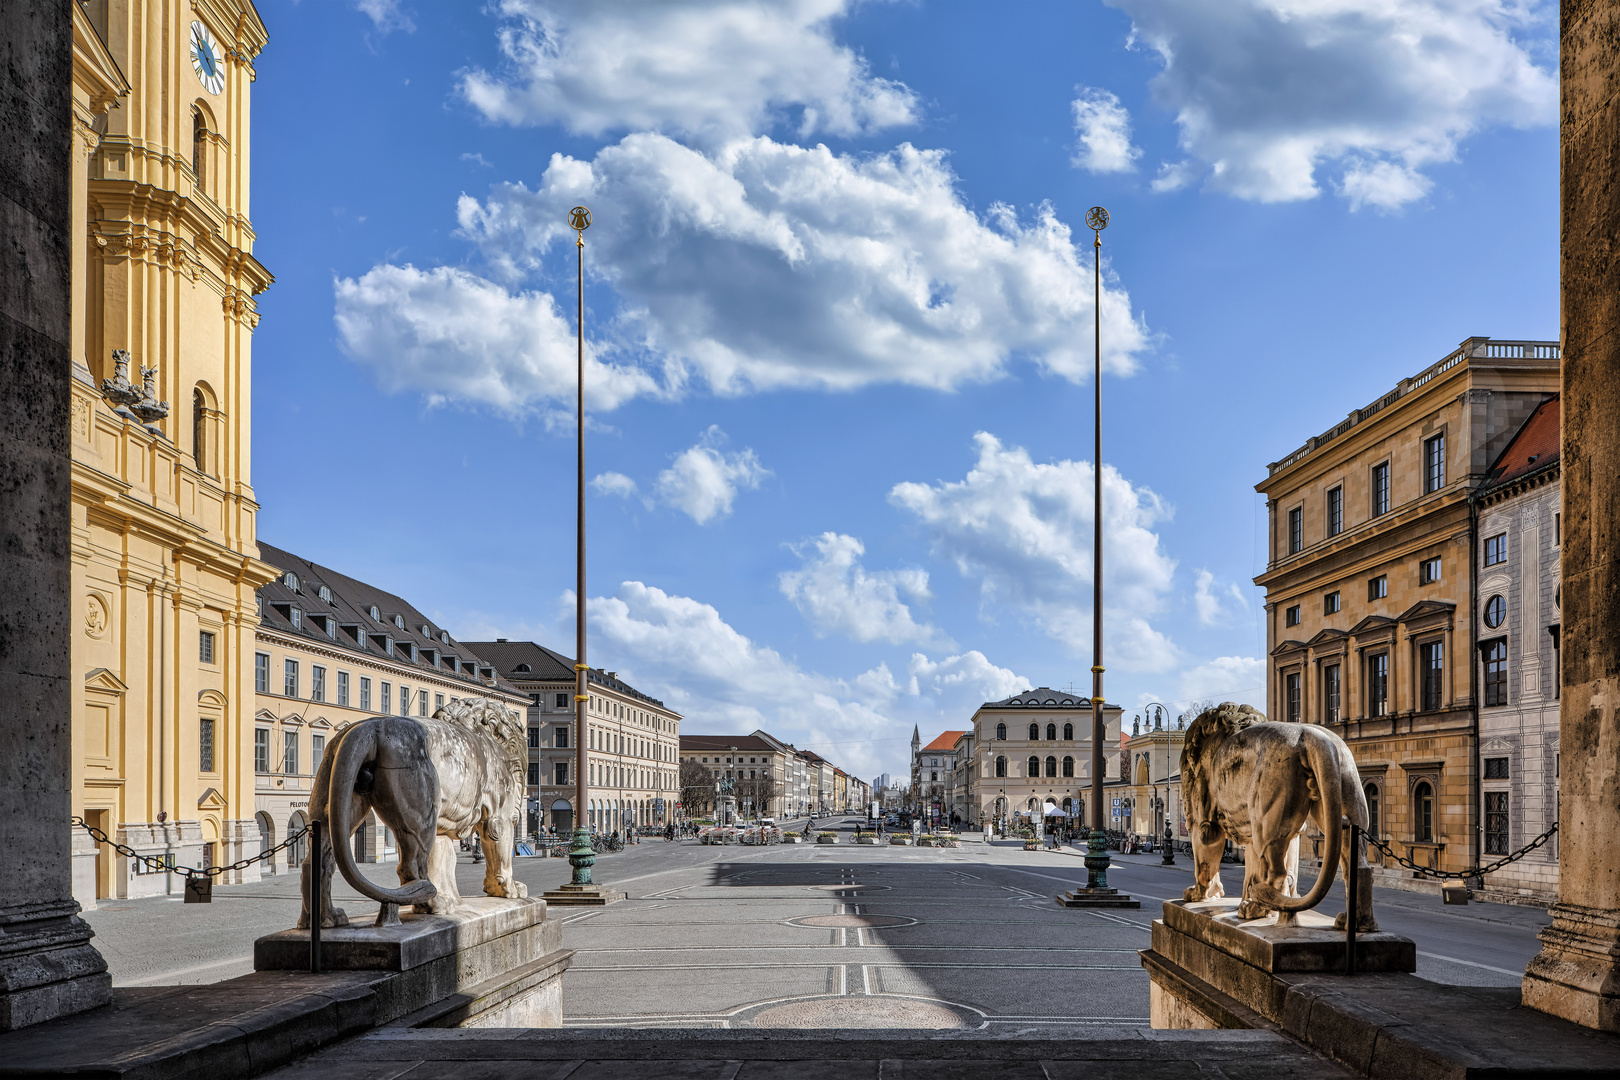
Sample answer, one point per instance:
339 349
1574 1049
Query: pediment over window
211 698
1326 637
211 800
1427 609
1287 647
102 679
320 722
293 721
1372 624
265 714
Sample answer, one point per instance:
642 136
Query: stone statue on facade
1257 784
433 782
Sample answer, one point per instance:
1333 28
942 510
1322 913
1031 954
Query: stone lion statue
1257 784
433 782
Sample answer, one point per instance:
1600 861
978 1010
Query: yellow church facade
165 562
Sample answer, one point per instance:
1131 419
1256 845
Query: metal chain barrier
1479 871
158 864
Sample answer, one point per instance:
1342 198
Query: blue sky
839 310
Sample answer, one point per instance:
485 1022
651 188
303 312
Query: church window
199 432
199 147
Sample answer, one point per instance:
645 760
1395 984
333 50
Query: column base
1097 898
1576 976
586 895
48 967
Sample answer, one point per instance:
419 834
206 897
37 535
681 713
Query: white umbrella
1056 811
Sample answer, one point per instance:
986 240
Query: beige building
1152 767
760 767
819 773
1031 751
1369 587
632 742
165 563
330 650
933 775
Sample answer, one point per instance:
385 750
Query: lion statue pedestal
1226 962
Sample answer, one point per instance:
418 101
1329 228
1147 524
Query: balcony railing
1481 348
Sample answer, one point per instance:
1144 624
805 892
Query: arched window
1051 766
1034 732
1051 733
1033 766
1068 732
1068 766
199 146
1423 812
1001 731
524 668
290 580
1001 766
1372 809
199 430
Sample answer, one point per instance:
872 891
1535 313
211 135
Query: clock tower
165 563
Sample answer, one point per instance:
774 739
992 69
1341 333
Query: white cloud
1227 678
970 671
768 265
477 159
386 15
1215 605
680 649
1023 529
704 480
453 336
713 71
839 595
1103 128
617 484
1268 93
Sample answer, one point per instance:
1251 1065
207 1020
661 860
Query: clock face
207 60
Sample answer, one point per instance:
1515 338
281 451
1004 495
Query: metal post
1096 851
315 897
1352 887
580 857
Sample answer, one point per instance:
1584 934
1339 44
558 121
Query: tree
697 788
757 793
1195 709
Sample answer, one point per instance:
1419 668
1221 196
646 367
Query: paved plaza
825 936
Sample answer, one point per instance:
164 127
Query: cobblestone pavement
824 936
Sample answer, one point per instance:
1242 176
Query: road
815 935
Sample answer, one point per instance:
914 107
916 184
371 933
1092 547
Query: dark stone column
1577 974
47 966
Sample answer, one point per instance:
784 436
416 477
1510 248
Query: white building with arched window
1031 752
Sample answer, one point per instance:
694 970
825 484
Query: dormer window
524 668
326 594
426 632
444 637
399 622
290 580
376 616
331 628
296 617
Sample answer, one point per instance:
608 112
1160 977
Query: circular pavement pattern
860 1012
852 921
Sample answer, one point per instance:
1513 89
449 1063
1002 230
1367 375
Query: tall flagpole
581 857
1097 893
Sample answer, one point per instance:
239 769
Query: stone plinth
1211 969
1310 944
1109 898
494 963
584 895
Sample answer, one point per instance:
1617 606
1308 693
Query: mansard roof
1041 697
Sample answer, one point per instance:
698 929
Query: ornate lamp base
581 889
1097 893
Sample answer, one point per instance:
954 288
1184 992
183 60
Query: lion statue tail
358 750
1325 767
